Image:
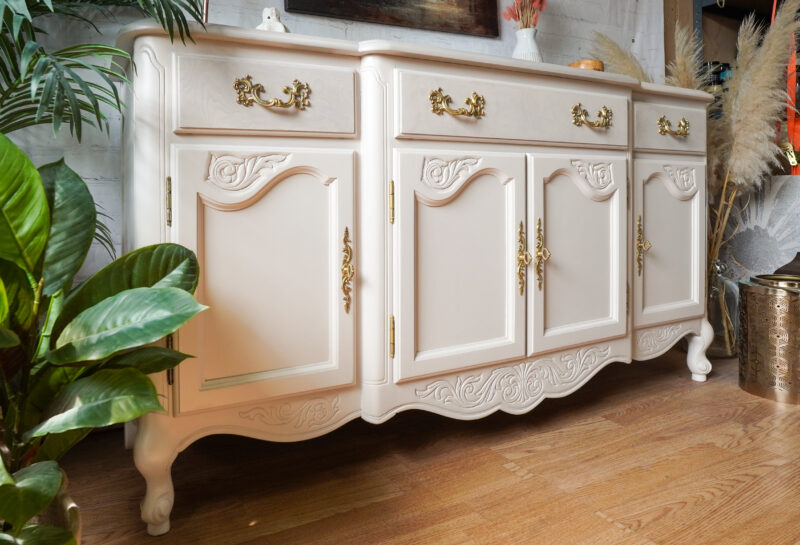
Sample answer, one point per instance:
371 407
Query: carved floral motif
441 174
518 386
682 177
597 175
233 172
651 341
311 414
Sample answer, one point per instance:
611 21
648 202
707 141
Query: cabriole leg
153 453
696 354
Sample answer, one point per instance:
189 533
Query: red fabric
792 123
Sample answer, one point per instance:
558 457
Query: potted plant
72 358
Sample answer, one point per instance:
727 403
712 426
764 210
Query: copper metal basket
769 336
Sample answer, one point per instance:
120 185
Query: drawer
206 100
537 111
649 133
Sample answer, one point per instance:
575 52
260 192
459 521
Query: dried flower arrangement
742 148
525 12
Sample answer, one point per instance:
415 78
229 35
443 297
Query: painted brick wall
565 31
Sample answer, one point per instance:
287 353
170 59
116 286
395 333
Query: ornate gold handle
642 246
348 270
542 253
665 127
440 103
524 258
580 117
250 93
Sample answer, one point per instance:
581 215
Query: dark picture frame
473 17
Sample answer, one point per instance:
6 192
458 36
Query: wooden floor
640 456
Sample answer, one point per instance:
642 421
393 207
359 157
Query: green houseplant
71 358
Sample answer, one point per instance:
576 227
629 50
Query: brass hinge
628 195
170 343
627 298
391 201
169 201
391 337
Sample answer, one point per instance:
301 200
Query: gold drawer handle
542 253
348 270
440 103
250 93
524 258
580 117
665 127
642 245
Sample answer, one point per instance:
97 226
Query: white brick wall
565 31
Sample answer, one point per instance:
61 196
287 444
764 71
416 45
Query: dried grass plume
758 98
617 59
687 70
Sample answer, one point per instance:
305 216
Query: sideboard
383 227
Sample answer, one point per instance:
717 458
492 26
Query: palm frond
69 85
102 233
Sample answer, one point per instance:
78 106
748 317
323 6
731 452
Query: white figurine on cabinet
271 20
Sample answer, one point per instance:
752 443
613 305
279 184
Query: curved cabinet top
298 42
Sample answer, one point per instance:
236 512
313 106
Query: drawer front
206 99
651 133
539 111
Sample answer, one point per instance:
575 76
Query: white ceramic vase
526 48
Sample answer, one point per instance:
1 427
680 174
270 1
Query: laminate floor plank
641 455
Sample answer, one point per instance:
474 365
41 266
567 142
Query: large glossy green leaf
56 445
8 338
129 319
33 489
45 386
148 359
24 215
5 476
108 397
161 265
53 310
3 302
19 292
72 225
41 534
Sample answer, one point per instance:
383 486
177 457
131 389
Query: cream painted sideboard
377 246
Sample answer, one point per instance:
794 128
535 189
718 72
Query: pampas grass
687 70
719 127
758 101
616 59
742 147
743 144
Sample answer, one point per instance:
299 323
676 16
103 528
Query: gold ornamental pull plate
524 258
250 93
665 127
542 253
642 246
348 270
580 117
440 104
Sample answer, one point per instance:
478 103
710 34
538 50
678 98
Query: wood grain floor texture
640 456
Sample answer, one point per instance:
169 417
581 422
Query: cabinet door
668 240
458 302
577 216
269 227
